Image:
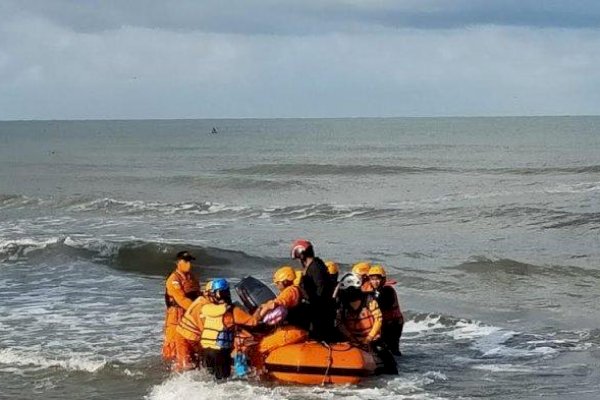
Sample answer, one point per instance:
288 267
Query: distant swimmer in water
214 131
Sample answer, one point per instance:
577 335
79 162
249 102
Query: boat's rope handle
329 362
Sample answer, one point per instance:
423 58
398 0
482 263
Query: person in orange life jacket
182 288
393 320
188 332
361 270
290 296
318 291
290 329
220 320
359 319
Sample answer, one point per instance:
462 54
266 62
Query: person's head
377 276
333 269
220 290
284 277
303 251
361 270
184 261
350 291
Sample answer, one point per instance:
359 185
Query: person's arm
339 324
378 321
175 290
288 298
241 317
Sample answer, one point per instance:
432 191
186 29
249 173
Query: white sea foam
198 386
37 360
508 368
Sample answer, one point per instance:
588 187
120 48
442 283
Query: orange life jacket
191 324
181 283
360 322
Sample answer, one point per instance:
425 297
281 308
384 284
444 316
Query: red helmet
301 247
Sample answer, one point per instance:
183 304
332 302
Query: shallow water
490 225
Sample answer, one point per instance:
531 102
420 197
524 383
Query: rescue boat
314 363
309 362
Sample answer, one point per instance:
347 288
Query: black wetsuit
318 289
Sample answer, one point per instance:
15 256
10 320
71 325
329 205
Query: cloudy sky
81 59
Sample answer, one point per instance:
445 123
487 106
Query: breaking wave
149 258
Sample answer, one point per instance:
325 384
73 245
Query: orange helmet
285 273
332 267
377 270
302 248
361 269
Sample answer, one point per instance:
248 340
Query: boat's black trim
312 370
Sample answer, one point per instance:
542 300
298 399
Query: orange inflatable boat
314 363
309 363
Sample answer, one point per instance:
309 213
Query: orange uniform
181 290
289 297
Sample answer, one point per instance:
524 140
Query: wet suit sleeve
339 323
175 290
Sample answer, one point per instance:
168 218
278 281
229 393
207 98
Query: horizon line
298 118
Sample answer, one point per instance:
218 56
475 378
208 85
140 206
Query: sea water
491 226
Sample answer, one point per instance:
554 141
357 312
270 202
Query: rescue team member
182 288
188 332
361 270
290 330
318 291
334 270
359 320
221 318
387 298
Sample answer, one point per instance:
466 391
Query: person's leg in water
223 364
390 334
389 363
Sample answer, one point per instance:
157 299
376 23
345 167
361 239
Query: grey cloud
305 17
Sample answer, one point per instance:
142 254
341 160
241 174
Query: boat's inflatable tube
253 293
316 363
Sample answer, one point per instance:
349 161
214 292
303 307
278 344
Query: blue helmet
219 284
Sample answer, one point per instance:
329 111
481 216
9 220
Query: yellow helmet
332 267
377 270
298 277
361 269
208 286
285 273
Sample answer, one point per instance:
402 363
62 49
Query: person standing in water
318 290
182 288
387 298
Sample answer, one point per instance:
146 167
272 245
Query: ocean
491 226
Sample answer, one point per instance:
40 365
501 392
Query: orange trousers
172 317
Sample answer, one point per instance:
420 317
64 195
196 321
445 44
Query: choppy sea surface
491 226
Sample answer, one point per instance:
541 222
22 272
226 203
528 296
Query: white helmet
350 281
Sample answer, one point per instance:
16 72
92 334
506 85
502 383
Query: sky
146 59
